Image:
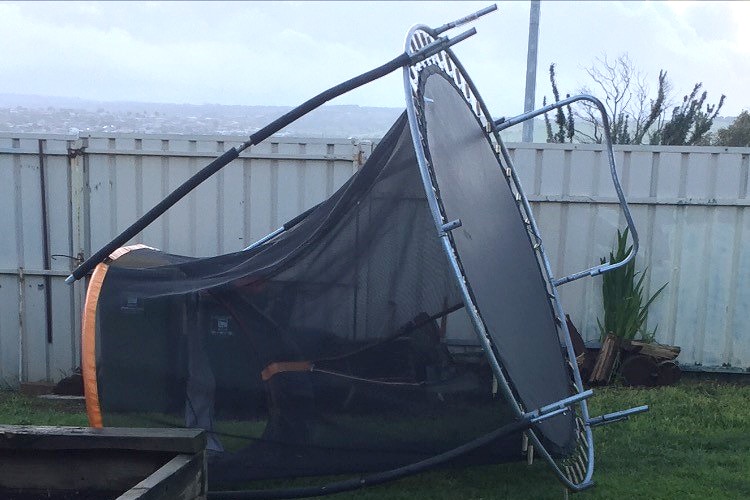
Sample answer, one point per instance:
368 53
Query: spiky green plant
625 306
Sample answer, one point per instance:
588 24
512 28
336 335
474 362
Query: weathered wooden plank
182 478
111 438
91 470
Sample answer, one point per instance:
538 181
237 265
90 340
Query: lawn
694 443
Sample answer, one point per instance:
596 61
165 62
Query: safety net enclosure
323 349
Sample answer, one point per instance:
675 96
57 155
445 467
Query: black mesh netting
320 352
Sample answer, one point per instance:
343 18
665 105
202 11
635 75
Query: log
605 363
639 370
669 373
657 351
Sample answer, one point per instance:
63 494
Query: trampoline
322 349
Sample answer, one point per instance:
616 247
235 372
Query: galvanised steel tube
503 123
404 59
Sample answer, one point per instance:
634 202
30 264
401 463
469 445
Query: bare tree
626 96
635 116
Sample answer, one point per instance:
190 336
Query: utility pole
528 103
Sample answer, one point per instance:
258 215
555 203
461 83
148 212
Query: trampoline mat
496 253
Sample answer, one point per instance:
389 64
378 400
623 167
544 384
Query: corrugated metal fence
689 205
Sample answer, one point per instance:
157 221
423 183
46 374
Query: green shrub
625 307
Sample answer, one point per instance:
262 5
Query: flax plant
625 306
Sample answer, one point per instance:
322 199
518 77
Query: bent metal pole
402 60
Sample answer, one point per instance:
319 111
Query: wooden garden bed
82 463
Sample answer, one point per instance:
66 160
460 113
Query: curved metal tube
503 123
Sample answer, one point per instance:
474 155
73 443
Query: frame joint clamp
450 226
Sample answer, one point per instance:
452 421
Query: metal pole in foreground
528 103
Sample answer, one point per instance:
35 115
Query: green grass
17 409
693 444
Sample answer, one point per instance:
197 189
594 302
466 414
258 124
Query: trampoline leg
618 416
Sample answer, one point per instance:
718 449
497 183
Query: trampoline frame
575 472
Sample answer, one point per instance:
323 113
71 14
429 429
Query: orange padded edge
88 335
123 250
88 346
285 366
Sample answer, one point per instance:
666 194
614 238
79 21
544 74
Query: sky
282 53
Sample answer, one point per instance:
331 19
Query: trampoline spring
518 196
581 464
579 425
537 245
581 472
508 172
583 439
488 127
576 473
581 448
526 221
497 147
584 442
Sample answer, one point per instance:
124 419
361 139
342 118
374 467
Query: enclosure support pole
402 60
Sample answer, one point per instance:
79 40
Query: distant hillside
63 115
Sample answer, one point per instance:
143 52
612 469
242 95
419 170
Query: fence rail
689 205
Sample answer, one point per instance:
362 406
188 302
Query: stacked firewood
649 364
639 363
